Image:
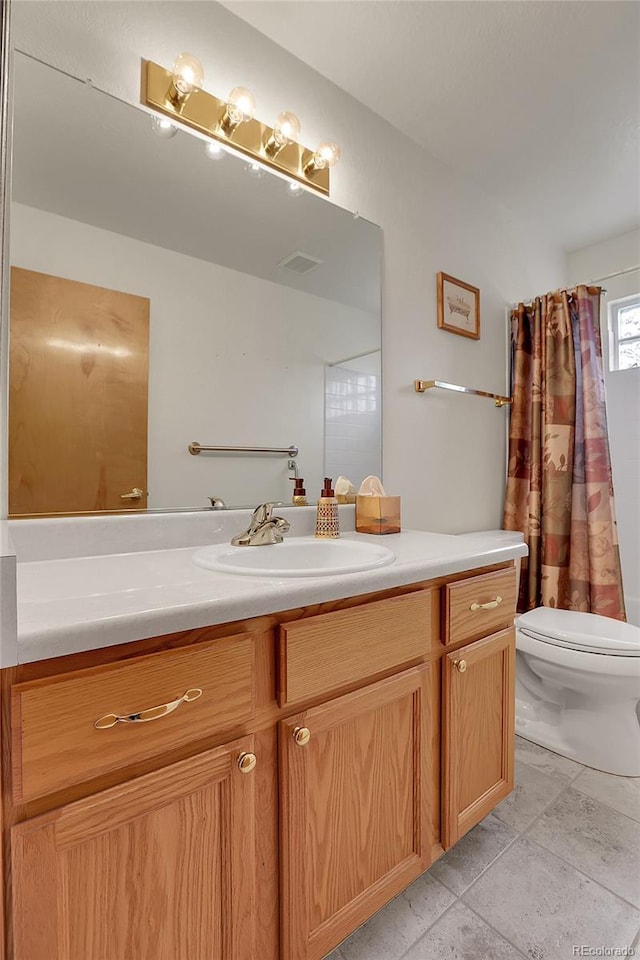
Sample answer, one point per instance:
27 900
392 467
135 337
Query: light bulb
327 155
215 151
163 128
188 74
286 128
241 105
255 170
295 189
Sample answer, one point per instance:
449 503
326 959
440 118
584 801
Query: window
624 332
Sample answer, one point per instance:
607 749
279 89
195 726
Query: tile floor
555 867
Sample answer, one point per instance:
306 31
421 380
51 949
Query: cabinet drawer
477 606
55 742
322 654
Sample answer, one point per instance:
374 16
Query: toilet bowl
578 687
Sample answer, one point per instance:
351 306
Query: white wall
623 401
445 454
203 383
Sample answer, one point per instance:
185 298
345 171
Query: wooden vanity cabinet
477 732
162 866
375 750
355 802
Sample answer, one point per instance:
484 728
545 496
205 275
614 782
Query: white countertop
86 602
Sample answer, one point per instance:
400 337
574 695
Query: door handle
135 494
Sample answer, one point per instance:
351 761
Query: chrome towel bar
195 448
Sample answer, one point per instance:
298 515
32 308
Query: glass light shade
255 170
241 105
188 74
286 128
163 128
215 151
327 154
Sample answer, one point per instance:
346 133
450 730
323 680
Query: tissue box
377 514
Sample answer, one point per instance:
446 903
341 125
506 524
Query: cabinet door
159 868
355 809
478 731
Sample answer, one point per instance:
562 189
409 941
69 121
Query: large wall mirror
160 297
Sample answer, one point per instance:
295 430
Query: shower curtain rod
609 276
618 273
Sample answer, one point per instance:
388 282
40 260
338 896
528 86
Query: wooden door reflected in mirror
78 396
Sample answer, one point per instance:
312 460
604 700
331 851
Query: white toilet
578 687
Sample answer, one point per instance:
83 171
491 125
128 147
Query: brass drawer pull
247 762
486 606
152 713
460 665
301 735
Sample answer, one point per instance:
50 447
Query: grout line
604 803
568 863
431 925
520 952
484 869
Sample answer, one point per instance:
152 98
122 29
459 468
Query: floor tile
464 862
336 955
597 840
545 906
621 793
555 766
397 926
533 792
461 935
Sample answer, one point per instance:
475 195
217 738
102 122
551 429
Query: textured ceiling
536 101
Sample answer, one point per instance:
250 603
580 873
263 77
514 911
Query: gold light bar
422 385
203 112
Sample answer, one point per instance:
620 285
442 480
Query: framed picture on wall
458 307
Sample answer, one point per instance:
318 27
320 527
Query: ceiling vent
299 262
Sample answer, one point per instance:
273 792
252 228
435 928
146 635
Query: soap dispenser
299 498
327 522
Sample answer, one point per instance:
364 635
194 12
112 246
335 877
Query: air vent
299 262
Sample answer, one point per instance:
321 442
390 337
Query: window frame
615 307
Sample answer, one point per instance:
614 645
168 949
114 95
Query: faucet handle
262 513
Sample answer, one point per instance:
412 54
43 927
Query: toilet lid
581 631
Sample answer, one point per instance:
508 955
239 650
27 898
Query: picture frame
458 307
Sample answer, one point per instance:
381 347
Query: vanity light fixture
285 130
215 150
255 169
163 128
178 96
241 107
187 75
327 154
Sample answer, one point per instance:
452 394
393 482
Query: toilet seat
586 632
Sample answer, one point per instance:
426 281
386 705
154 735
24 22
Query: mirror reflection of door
78 396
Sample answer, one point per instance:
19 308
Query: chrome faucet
263 529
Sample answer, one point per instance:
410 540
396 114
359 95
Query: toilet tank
500 536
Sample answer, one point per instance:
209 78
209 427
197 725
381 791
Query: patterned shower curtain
559 488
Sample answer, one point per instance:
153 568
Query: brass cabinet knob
301 735
460 665
247 762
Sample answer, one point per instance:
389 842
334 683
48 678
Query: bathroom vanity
302 767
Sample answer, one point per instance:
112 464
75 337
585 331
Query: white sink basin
297 557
